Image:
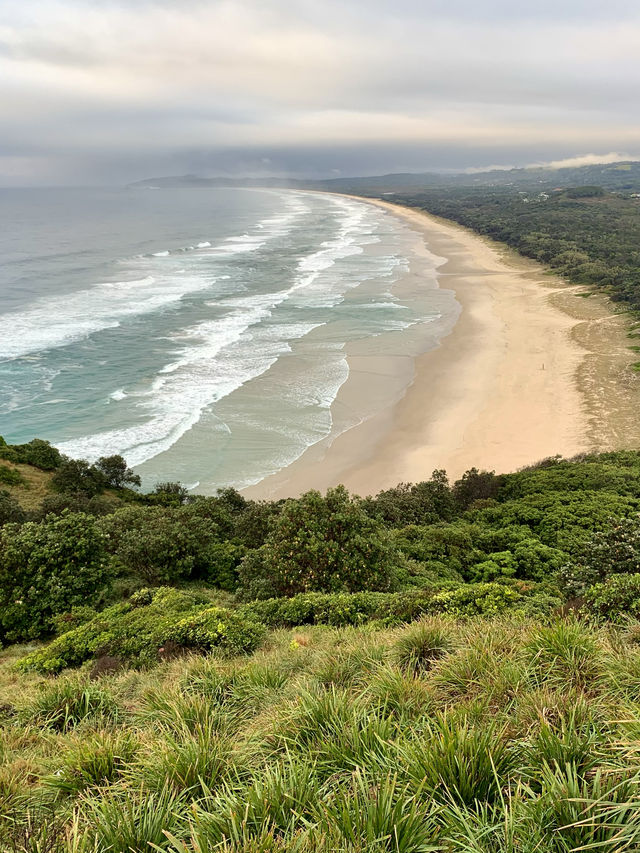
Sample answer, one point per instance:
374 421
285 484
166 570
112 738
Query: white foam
56 321
120 394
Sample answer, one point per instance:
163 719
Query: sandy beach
531 369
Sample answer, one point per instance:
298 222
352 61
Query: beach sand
531 369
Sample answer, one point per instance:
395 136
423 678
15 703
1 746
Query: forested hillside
438 667
587 235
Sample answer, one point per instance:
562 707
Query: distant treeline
587 235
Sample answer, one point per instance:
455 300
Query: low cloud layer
118 90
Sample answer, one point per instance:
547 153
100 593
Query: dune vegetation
446 667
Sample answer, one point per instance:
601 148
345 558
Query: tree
167 544
77 475
325 544
475 485
47 568
613 551
116 472
169 493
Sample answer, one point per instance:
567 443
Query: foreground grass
483 735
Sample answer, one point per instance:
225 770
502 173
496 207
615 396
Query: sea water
201 333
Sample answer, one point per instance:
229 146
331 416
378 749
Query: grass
477 735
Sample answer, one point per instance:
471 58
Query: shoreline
530 369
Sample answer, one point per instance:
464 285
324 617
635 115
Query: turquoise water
202 334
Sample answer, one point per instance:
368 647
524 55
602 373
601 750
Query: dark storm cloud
112 91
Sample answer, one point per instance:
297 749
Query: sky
105 92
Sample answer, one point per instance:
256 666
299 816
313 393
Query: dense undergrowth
449 667
445 734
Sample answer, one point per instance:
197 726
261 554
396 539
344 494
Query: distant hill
622 176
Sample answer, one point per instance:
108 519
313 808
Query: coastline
531 369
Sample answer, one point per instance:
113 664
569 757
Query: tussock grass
477 735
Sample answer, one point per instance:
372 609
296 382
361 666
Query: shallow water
202 334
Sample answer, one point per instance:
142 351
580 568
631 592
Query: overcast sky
96 91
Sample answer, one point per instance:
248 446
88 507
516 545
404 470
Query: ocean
204 334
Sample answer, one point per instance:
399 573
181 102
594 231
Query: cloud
198 79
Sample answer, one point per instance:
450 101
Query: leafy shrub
77 475
324 544
618 597
475 599
37 452
216 628
413 503
612 551
10 476
475 485
116 473
166 544
47 568
137 630
10 509
356 608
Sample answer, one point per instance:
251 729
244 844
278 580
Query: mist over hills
621 176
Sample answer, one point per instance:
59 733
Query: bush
77 475
613 551
324 544
216 628
167 544
47 568
137 631
10 476
618 597
38 453
10 509
116 473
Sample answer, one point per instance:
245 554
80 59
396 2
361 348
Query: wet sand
531 369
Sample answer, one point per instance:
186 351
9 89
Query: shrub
413 503
216 628
10 509
613 551
47 568
77 475
618 597
165 544
475 485
325 544
137 631
10 476
116 473
37 452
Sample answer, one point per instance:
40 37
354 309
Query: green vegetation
585 234
446 667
